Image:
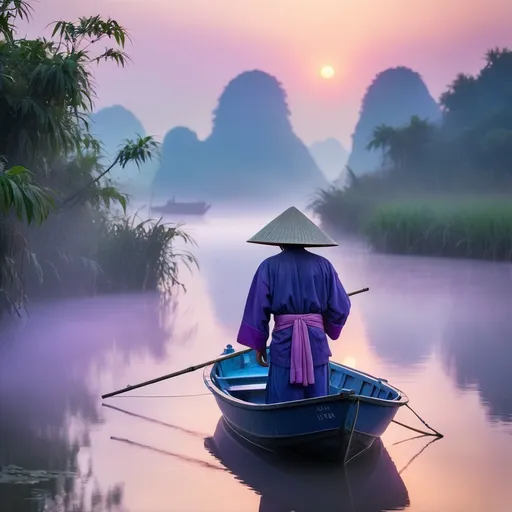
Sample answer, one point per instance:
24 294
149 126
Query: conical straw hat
294 228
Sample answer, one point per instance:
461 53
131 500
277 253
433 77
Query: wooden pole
193 368
176 374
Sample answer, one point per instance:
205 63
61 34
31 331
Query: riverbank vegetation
61 231
479 228
443 189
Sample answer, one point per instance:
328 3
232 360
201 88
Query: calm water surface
440 330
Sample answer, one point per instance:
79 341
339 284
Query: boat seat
240 376
247 387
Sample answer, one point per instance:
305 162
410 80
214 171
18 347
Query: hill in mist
111 126
394 96
330 156
251 153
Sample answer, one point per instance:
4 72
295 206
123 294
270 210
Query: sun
327 72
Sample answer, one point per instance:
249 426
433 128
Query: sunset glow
292 40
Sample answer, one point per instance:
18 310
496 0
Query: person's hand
261 357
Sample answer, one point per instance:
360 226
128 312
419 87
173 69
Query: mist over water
438 329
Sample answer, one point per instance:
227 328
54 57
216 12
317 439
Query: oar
195 367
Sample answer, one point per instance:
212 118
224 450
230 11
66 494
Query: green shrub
348 209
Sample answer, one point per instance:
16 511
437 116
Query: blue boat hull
318 428
338 426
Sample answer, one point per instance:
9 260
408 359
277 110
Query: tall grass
479 228
139 255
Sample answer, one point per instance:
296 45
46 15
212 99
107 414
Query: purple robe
294 282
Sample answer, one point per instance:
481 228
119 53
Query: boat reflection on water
370 483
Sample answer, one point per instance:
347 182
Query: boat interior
243 378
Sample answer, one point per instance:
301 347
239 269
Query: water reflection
477 347
462 307
371 484
180 457
418 304
406 308
155 421
47 402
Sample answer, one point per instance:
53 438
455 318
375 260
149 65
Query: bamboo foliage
19 194
56 178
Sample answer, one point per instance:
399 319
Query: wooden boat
341 425
172 206
371 483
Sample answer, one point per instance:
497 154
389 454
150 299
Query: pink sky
185 51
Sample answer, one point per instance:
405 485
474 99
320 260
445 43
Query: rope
433 432
407 439
418 454
438 434
163 396
356 415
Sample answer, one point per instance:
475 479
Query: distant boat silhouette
173 206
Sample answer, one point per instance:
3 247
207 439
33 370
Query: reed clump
135 255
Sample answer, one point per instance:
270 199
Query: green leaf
17 170
27 200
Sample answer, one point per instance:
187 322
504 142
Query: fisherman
303 292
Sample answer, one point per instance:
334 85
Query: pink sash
302 370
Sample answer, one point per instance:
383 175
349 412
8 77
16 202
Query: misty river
439 329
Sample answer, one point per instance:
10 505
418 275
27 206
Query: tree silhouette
403 147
